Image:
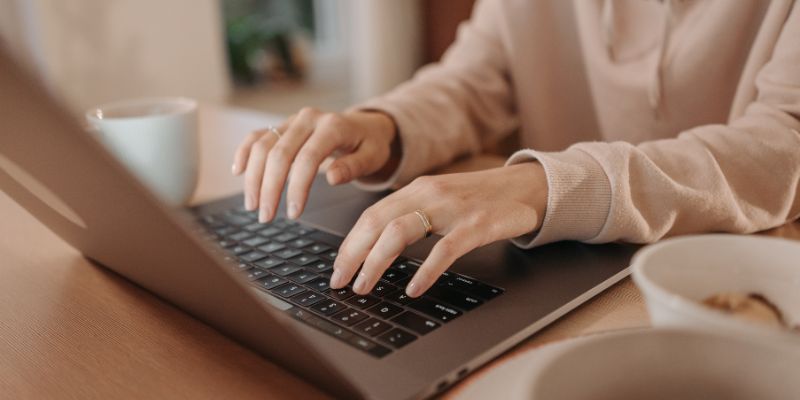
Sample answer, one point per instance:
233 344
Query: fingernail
294 210
361 283
413 289
263 215
335 176
234 170
336 279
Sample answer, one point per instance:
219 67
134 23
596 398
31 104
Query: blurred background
271 55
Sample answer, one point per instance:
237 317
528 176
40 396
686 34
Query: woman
639 119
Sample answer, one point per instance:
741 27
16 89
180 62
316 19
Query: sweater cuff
404 127
578 200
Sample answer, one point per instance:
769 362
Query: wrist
532 181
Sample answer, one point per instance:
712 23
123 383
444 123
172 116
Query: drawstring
655 90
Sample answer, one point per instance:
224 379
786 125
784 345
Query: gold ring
426 222
275 131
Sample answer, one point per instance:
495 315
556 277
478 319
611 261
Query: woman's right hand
361 141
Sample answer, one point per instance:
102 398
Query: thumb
352 166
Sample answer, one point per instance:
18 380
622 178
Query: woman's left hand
468 209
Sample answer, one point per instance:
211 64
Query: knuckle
280 153
308 112
370 219
395 228
309 156
446 247
479 218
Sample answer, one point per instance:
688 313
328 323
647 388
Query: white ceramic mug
156 138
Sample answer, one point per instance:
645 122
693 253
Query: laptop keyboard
294 262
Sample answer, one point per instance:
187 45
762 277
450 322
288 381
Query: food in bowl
752 307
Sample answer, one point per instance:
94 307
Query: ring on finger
426 222
275 131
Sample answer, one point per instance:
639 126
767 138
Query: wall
93 51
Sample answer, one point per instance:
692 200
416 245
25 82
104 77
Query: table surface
69 329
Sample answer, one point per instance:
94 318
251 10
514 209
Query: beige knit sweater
651 118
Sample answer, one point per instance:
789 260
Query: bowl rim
681 304
562 348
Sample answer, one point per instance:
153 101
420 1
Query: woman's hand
468 209
361 140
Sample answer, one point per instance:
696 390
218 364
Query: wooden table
69 329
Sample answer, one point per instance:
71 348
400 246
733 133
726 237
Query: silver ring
275 131
426 222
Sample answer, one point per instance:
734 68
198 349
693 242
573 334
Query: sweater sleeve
741 177
454 107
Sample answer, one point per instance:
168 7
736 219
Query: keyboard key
270 282
392 276
304 259
363 302
225 231
302 276
272 247
372 327
269 262
252 256
239 250
399 297
288 290
454 297
227 243
301 230
237 220
341 294
285 269
239 236
330 256
407 266
243 266
254 227
319 267
397 338
254 273
368 346
285 237
255 241
349 317
270 231
385 310
288 253
317 248
320 284
382 289
321 324
307 299
328 307
415 322
300 243
435 309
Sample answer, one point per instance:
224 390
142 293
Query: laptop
266 285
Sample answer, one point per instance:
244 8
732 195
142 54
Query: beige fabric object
651 118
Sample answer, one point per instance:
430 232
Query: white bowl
676 275
651 364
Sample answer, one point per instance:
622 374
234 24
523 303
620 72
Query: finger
254 171
279 160
323 141
362 237
351 166
243 151
398 234
444 253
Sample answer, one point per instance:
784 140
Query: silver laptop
266 285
